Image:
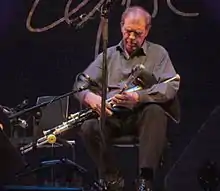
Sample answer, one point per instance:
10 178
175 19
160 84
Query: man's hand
126 99
94 101
1 126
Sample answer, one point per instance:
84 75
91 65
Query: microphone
22 123
91 82
18 121
22 105
6 111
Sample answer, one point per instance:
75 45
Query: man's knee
154 109
89 127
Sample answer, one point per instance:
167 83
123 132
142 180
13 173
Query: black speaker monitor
51 115
198 167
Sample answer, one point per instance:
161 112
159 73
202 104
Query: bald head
136 12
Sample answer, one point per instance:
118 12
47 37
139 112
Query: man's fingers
108 112
108 105
120 96
115 100
97 108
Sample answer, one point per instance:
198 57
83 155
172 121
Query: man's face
134 32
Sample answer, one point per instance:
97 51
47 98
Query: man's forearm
159 93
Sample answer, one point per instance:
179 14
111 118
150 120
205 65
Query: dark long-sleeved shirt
156 61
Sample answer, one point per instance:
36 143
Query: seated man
148 117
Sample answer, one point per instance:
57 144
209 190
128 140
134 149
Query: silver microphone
18 122
5 111
91 82
22 123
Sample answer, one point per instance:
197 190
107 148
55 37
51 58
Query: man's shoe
116 184
99 185
109 185
144 185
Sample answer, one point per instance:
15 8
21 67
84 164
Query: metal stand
36 107
104 23
53 141
104 20
52 163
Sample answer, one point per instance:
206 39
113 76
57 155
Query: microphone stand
104 23
33 145
15 115
104 20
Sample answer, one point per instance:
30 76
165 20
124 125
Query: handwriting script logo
85 17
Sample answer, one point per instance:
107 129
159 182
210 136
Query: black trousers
148 122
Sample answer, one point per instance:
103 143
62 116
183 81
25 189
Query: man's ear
148 27
122 26
148 30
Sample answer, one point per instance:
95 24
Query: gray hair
137 10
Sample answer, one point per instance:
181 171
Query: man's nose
132 35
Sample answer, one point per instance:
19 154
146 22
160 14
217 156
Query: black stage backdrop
45 63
